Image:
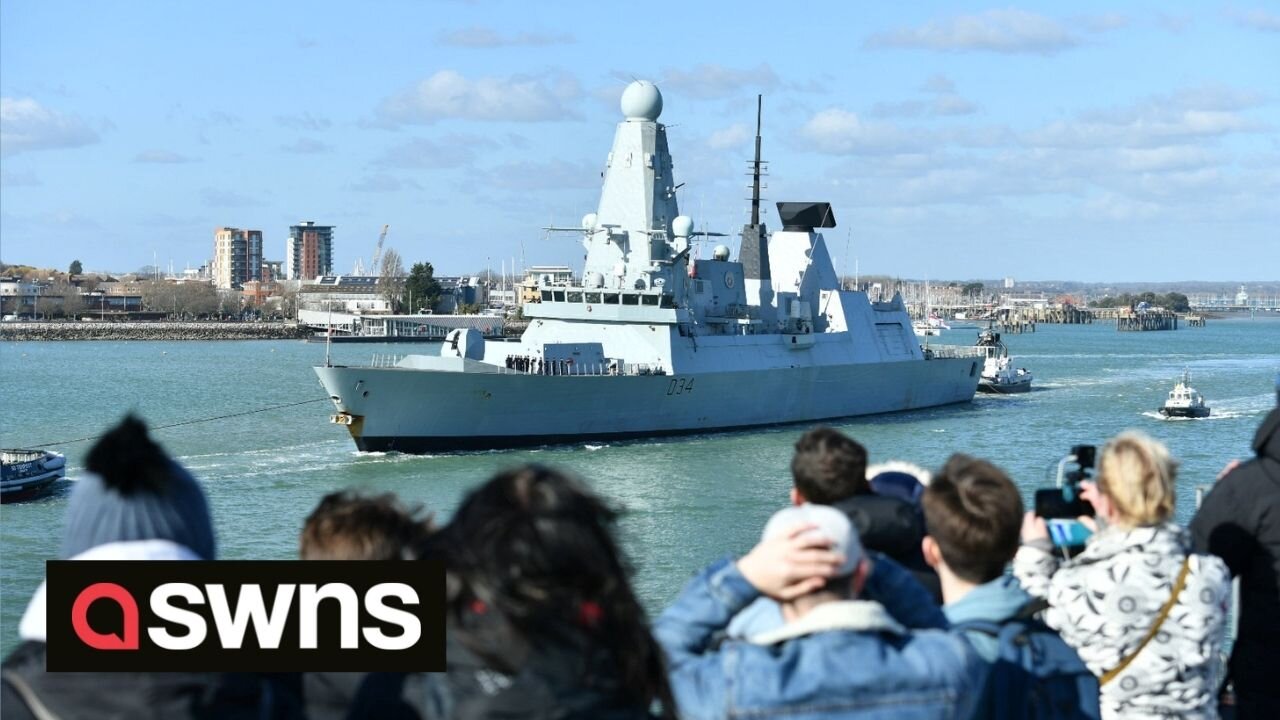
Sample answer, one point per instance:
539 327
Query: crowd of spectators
879 592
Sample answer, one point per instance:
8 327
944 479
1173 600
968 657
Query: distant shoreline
45 331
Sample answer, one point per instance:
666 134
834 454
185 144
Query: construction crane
377 253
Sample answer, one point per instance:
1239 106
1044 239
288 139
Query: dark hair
974 513
829 466
349 526
538 548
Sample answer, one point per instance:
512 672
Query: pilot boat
1185 401
998 373
26 474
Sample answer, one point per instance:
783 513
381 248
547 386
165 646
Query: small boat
1184 400
922 328
998 373
26 474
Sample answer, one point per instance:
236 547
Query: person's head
134 491
832 526
349 526
537 547
900 479
1135 478
973 514
828 467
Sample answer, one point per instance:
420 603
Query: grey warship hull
418 411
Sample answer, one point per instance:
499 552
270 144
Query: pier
1149 320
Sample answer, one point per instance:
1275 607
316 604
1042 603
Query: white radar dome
641 101
721 252
682 226
589 221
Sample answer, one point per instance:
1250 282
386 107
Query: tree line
1174 301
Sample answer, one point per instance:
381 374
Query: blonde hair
1136 473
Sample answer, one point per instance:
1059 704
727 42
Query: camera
1061 505
1063 501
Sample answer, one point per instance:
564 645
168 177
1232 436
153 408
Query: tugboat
1185 401
998 374
27 474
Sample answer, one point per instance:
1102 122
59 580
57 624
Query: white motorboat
1184 401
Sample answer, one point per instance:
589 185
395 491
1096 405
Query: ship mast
754 251
755 168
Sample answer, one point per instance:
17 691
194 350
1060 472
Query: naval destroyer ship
654 342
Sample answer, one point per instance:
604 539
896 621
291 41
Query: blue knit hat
134 491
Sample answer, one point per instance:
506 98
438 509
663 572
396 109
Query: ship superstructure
654 342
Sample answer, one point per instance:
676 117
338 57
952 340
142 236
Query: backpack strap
986 627
1181 582
1034 607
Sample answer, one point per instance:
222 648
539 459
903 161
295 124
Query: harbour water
687 501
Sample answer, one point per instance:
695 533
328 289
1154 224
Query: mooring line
192 422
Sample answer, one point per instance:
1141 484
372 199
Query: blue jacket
995 601
846 659
889 584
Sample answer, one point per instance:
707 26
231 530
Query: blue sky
1086 141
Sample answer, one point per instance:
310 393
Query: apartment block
309 252
237 257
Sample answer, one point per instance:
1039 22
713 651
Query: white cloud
161 157
420 153
710 81
383 183
730 137
556 175
842 132
304 121
1259 20
307 146
26 125
215 197
448 94
482 37
25 178
1003 31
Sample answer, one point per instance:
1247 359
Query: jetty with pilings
1147 320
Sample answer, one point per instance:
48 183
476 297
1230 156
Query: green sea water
687 501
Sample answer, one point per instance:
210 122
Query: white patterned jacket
1103 602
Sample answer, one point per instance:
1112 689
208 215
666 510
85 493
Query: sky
1042 141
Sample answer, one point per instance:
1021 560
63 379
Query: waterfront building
309 251
237 257
355 294
272 270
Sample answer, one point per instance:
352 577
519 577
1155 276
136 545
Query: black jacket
894 527
495 673
1239 522
124 695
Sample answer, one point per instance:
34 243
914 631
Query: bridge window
611 298
558 295
575 297
592 297
629 299
649 300
668 301
546 296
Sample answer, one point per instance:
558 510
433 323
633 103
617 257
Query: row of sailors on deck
562 366
876 593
